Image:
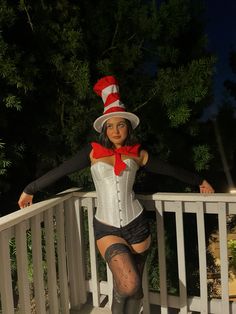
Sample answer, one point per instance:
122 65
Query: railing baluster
93 259
6 292
202 257
81 250
39 294
161 256
146 301
51 262
22 268
72 254
181 258
223 258
110 285
62 269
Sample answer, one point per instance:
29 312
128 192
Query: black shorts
135 232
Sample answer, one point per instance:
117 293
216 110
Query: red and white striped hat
107 88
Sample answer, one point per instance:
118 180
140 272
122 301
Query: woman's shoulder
143 156
91 155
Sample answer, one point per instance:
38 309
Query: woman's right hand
205 187
25 200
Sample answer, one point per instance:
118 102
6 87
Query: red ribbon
100 151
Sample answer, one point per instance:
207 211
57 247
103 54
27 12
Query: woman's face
117 131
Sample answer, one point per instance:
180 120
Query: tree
225 130
52 54
229 84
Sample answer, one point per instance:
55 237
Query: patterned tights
127 269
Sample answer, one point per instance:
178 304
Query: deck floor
89 309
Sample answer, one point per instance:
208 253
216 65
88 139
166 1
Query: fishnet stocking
133 303
125 274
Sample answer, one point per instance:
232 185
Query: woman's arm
79 161
153 164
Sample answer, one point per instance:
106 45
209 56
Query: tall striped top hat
107 88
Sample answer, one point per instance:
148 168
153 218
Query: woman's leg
126 274
133 303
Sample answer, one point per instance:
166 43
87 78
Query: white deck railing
52 251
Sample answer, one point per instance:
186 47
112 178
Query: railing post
81 250
37 264
73 258
181 258
146 301
93 259
51 261
224 257
62 267
22 268
202 257
161 256
5 275
110 285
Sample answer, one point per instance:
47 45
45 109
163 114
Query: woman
120 225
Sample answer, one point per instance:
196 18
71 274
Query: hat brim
99 122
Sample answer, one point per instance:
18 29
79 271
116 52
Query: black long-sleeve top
81 160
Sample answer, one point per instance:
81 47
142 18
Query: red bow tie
100 151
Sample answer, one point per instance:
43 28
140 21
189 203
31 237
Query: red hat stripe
109 90
115 104
114 109
111 98
103 83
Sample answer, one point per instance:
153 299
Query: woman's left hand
205 187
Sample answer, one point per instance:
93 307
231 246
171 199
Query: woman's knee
128 287
131 287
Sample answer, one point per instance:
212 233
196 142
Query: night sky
221 31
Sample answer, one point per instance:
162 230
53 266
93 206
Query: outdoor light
232 191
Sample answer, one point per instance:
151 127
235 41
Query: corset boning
116 203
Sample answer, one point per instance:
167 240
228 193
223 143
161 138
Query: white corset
116 205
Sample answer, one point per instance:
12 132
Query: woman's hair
130 139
